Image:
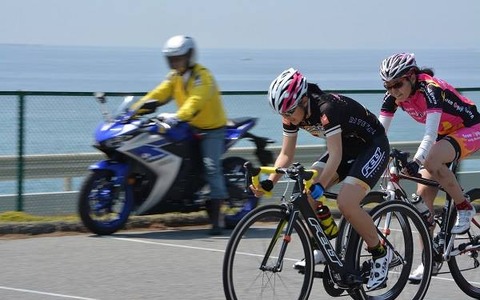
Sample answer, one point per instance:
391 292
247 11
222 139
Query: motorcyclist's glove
266 185
412 168
169 118
316 191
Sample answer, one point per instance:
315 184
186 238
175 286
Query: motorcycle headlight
117 141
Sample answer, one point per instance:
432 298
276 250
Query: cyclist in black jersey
357 154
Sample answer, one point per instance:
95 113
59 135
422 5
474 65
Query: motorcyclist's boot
215 207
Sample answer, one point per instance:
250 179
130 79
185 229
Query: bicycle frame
394 191
298 206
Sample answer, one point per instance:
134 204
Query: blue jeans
213 146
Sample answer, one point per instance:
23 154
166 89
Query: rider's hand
316 191
412 168
169 118
265 186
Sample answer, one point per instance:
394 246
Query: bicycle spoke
252 269
399 226
465 261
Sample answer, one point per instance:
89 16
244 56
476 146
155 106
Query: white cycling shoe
379 271
318 258
464 217
418 273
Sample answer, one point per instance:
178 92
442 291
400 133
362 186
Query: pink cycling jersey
435 95
458 115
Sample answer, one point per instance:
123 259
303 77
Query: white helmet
287 90
397 65
180 45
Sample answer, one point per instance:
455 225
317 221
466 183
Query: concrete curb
136 222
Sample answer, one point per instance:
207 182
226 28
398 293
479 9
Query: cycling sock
465 205
377 251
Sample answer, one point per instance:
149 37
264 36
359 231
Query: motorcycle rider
199 103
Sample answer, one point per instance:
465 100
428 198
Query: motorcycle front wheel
240 202
103 205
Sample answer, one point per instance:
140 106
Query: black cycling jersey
365 144
332 113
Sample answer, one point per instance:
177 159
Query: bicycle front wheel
464 264
259 257
404 232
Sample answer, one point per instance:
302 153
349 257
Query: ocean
131 69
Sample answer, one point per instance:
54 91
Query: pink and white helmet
397 65
287 90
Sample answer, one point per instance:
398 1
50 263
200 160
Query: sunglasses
396 85
289 113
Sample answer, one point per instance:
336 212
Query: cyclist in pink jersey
452 129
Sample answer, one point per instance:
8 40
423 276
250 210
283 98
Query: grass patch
18 216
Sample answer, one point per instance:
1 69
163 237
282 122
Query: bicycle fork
277 267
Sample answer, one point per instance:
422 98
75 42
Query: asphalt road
184 263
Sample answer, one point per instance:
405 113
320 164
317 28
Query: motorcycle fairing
147 149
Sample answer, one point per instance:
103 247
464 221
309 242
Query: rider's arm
387 111
429 137
385 120
334 148
286 155
162 93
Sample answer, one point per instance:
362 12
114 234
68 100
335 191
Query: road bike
259 257
459 251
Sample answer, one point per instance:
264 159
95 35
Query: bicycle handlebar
296 171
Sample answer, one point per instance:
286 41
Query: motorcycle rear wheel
104 207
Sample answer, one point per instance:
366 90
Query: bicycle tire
243 277
405 220
344 228
464 267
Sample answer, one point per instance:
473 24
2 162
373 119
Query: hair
424 70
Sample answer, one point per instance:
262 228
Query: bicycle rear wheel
253 251
400 227
464 266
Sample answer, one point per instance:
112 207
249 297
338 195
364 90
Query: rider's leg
443 152
428 195
212 147
348 200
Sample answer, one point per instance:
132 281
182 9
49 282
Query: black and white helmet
397 65
287 90
180 45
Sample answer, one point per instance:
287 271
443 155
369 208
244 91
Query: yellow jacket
199 100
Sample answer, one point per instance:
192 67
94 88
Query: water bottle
423 209
326 221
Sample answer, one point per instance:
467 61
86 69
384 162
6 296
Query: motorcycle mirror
100 96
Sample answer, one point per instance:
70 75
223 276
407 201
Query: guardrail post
20 156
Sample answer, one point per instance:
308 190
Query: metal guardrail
72 165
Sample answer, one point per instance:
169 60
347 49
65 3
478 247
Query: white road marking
44 293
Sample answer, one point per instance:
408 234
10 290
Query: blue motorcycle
154 168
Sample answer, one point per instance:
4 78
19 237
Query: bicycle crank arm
463 248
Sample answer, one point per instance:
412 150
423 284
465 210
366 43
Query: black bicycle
459 251
259 257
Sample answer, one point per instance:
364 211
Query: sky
244 24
